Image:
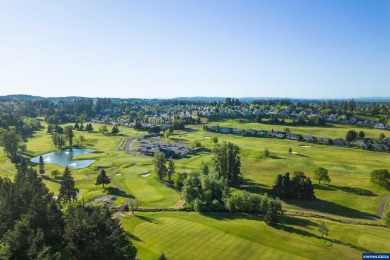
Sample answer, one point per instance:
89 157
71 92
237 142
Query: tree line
34 225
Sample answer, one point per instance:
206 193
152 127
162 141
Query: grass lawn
350 194
184 235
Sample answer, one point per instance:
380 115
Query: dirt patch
179 205
107 200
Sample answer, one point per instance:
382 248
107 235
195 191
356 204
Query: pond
64 158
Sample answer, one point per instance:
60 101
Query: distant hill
22 97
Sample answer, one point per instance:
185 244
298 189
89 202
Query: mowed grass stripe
195 241
150 192
187 235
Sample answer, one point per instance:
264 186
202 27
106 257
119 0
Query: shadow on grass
133 237
177 140
57 180
330 207
277 157
256 188
117 192
302 155
147 219
322 187
353 190
188 130
305 223
197 151
230 216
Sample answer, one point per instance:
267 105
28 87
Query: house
238 131
165 127
340 142
352 120
292 136
362 143
285 113
250 132
278 134
380 126
324 140
263 133
386 140
331 117
380 147
225 131
309 139
214 128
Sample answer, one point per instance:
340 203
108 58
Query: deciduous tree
160 168
381 177
68 131
321 174
227 162
323 229
134 205
351 135
103 129
170 169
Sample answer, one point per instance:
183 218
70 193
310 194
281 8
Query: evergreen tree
92 233
31 221
308 190
49 128
76 126
277 188
102 178
89 128
162 256
114 130
68 192
266 153
41 165
271 215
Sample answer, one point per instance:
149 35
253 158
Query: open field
183 235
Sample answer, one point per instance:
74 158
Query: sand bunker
145 174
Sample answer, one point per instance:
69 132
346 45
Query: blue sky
291 48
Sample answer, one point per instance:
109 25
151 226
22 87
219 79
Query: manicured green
184 235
